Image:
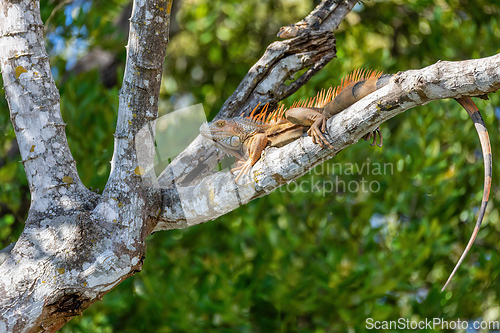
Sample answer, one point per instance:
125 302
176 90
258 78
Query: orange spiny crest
252 114
310 102
261 116
356 75
255 115
276 115
320 100
324 97
281 112
264 116
320 96
300 104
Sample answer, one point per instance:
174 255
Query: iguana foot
316 132
243 168
374 136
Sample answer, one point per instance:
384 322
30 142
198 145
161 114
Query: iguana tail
473 112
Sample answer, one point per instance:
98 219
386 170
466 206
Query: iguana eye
220 123
235 141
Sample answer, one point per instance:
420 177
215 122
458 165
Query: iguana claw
373 135
316 132
381 141
243 168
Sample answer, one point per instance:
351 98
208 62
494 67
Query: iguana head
230 134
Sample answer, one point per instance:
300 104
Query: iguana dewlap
246 137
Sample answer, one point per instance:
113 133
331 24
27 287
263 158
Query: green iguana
246 137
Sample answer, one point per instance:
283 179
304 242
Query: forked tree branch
77 245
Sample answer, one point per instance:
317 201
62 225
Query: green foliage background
295 261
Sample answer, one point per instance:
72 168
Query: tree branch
217 194
138 100
320 18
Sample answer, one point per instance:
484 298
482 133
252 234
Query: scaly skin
246 138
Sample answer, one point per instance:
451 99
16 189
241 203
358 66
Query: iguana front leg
256 145
314 119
